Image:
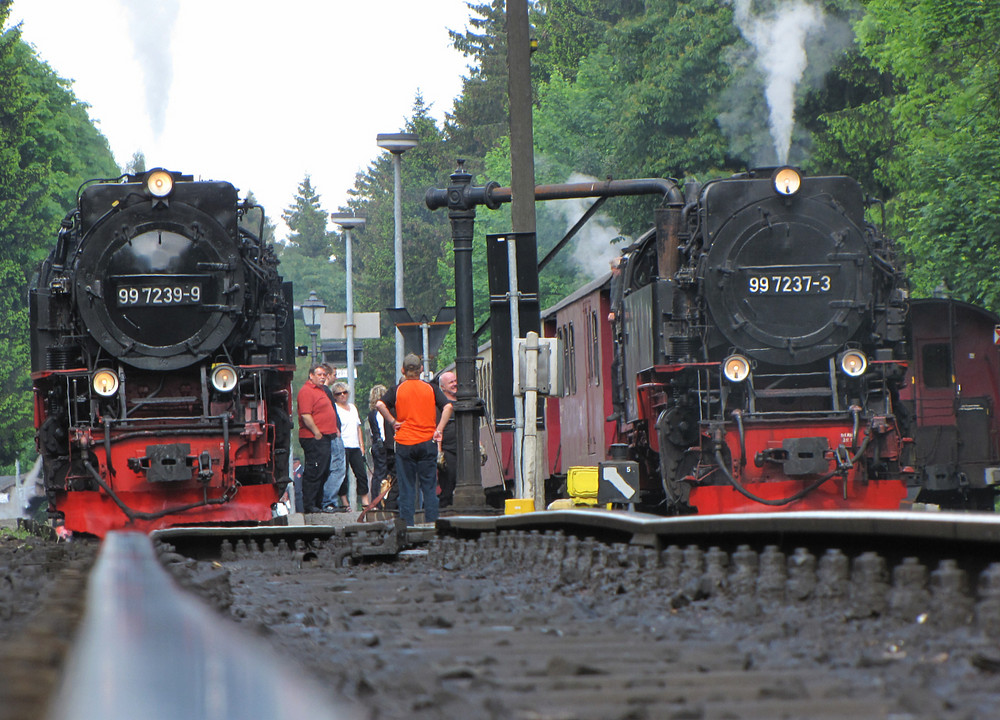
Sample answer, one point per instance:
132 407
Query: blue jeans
338 471
416 467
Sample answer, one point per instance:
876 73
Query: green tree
48 146
479 117
310 260
427 256
567 31
137 164
946 118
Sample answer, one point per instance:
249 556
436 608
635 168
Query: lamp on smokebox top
312 315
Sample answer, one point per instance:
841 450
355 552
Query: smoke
151 23
591 248
780 37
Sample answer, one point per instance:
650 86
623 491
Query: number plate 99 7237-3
781 284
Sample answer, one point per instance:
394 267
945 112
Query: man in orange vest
411 407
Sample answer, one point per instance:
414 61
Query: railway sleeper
859 587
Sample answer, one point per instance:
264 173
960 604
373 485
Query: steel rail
145 649
885 528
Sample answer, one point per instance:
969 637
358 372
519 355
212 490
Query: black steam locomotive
761 342
162 356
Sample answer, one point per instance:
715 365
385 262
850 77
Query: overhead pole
522 161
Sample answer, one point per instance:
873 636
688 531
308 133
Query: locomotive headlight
787 181
105 383
736 368
853 363
159 183
223 377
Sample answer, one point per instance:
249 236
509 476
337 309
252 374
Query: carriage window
595 349
571 353
561 336
484 376
936 362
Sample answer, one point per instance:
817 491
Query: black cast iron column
461 199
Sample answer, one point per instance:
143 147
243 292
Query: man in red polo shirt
415 404
317 425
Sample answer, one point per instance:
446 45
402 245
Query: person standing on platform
317 424
448 447
354 442
411 408
335 480
297 470
383 447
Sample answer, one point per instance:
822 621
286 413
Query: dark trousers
447 477
416 469
316 468
356 464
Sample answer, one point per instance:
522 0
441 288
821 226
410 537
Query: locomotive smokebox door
618 482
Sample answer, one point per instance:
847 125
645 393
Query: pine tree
307 221
312 259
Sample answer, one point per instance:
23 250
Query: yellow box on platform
516 506
581 482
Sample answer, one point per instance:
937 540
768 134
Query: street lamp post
397 144
348 223
312 314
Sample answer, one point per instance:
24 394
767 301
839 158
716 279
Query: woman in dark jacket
382 448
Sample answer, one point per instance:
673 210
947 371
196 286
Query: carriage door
594 406
936 433
954 419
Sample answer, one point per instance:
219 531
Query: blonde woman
354 440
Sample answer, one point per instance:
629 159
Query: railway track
569 615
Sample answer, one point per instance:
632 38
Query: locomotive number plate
157 295
781 284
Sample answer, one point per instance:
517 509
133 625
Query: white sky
256 92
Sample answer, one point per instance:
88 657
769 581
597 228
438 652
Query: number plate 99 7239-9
159 295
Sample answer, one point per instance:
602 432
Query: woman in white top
354 440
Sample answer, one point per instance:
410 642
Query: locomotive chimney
668 226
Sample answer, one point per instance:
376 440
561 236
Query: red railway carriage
162 359
952 392
579 429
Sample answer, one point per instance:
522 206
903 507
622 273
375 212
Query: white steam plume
591 247
780 41
151 23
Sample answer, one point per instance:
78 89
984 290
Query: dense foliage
903 94
48 146
945 118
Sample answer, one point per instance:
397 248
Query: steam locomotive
162 359
763 354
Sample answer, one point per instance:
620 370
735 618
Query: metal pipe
602 188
